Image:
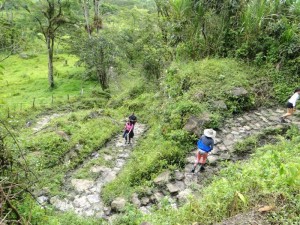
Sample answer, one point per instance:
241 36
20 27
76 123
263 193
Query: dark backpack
132 118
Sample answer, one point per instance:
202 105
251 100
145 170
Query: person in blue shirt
205 144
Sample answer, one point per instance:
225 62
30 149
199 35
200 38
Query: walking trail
84 194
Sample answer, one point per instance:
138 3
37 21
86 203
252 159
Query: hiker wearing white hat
205 144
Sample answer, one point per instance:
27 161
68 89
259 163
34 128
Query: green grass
164 106
166 143
25 79
89 133
213 76
270 177
152 155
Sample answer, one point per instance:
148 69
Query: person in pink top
128 132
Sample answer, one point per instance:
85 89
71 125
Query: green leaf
281 170
242 197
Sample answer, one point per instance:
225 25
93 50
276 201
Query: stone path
83 195
176 186
44 121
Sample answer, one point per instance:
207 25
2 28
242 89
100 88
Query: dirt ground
249 218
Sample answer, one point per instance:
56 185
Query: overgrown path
178 185
83 185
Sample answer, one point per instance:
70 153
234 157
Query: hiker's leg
125 135
197 159
196 162
131 134
289 112
203 160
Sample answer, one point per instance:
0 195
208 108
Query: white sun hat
210 133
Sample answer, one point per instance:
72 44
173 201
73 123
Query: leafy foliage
180 50
97 54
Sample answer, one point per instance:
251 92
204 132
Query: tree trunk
102 76
86 16
97 19
50 44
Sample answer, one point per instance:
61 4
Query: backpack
132 118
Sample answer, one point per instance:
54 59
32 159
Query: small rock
191 159
109 176
217 141
190 179
63 135
239 91
54 199
118 204
81 202
94 198
60 204
148 191
158 196
225 156
222 147
195 125
98 169
95 155
228 142
188 168
180 185
120 162
162 178
97 207
107 211
135 200
183 195
88 213
42 199
145 210
212 160
81 185
173 188
23 55
107 157
219 105
179 175
198 96
145 201
215 150
124 155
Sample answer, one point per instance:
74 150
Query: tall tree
50 16
9 33
97 53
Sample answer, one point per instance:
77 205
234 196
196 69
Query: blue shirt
205 143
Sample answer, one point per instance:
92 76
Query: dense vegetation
164 60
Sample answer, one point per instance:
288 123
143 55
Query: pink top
129 126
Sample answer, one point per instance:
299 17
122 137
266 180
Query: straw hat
210 133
